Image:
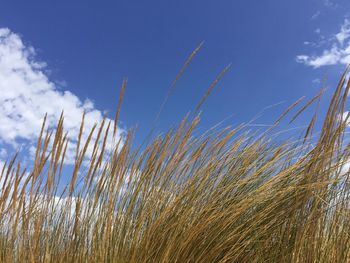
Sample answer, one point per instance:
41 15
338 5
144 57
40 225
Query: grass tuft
227 195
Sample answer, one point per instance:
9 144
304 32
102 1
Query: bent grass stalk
227 195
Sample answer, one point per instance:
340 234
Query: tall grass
227 195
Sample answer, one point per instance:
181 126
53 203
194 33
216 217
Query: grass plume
227 195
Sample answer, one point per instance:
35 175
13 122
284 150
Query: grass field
226 195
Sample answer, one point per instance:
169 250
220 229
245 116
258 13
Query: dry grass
223 196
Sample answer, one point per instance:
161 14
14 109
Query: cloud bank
338 53
27 94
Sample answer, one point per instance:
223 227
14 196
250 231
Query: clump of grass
226 195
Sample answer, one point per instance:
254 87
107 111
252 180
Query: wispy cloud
329 3
337 53
344 33
316 15
27 94
316 81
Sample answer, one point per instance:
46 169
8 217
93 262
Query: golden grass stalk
227 195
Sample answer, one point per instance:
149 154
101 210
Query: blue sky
280 50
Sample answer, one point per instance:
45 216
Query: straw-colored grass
227 195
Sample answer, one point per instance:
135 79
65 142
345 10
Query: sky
74 55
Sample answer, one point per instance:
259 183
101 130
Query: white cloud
345 168
27 94
316 81
329 3
344 117
315 15
344 32
338 53
3 153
